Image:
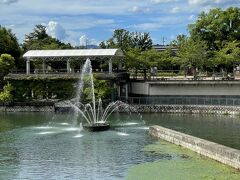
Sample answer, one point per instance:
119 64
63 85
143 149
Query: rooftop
73 53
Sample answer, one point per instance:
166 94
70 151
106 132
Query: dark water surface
49 146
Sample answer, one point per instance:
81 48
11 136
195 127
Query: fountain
93 113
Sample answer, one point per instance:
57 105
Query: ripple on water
46 132
43 127
64 124
122 134
71 129
78 136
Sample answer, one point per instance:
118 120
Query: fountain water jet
93 113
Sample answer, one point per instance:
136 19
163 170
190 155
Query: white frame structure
68 54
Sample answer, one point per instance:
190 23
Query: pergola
70 54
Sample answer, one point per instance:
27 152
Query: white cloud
212 2
56 30
137 9
134 9
8 1
175 10
84 41
147 26
163 1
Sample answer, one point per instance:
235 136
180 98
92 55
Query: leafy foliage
192 54
6 63
9 44
126 40
228 55
6 94
56 88
39 39
102 89
217 27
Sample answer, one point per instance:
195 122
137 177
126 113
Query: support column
110 66
28 66
120 65
126 95
44 67
119 90
68 66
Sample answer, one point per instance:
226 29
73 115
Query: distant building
164 47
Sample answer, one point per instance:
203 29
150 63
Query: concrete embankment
210 149
27 107
189 109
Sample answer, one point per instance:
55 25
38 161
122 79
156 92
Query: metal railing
60 71
185 100
177 75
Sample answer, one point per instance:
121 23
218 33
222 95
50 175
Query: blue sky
74 21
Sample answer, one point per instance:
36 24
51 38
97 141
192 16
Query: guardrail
176 100
61 71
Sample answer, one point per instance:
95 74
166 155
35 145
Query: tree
126 40
217 27
39 39
6 63
101 89
228 55
9 44
140 40
192 54
5 95
119 39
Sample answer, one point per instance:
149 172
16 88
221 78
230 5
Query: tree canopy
9 44
217 27
39 39
126 40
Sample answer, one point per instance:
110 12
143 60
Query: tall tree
6 64
39 39
228 55
9 44
140 40
217 27
192 54
126 40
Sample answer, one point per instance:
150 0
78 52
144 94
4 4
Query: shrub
5 95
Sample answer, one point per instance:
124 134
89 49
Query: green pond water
51 146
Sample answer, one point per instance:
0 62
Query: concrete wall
210 149
188 109
27 108
231 88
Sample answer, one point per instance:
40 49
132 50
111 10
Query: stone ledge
223 154
191 109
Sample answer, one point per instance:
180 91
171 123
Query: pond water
223 129
49 146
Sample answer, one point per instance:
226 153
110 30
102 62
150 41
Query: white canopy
70 54
73 53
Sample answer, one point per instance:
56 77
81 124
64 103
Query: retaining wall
210 149
171 87
27 108
193 109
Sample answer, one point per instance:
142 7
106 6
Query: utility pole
86 43
163 41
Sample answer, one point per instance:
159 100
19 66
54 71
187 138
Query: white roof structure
73 53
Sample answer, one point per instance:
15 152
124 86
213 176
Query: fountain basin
94 127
